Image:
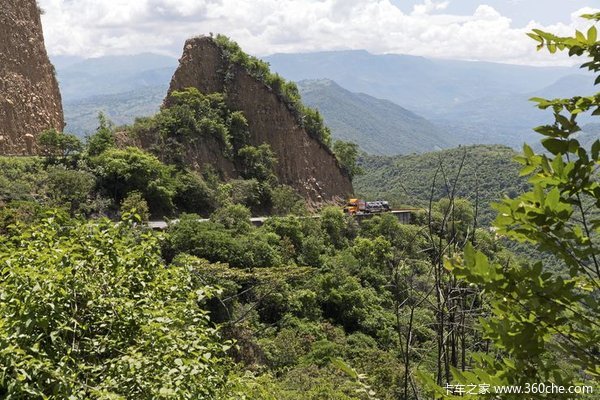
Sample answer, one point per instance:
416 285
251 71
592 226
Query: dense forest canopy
483 175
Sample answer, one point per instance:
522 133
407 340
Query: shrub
235 217
54 144
135 204
103 139
122 171
192 194
286 200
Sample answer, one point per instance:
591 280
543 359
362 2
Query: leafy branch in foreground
545 326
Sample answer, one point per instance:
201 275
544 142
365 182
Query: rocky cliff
30 99
304 163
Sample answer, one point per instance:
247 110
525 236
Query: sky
490 30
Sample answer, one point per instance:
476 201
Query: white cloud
429 6
99 27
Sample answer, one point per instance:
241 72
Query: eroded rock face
303 162
30 100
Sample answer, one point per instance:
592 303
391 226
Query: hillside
508 119
408 180
475 102
81 115
425 86
80 79
377 126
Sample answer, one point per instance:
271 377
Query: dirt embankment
30 100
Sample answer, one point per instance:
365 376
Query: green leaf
596 150
552 199
535 37
528 151
539 100
592 35
555 146
574 146
345 368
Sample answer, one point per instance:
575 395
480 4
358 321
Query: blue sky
488 30
520 11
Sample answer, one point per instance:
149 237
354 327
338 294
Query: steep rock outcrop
30 100
303 162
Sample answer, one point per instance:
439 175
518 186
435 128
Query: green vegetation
347 156
54 144
378 126
307 117
300 308
545 323
102 139
485 174
22 179
90 311
95 179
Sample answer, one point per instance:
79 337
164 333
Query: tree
72 187
121 171
55 144
233 216
103 139
544 324
287 201
314 125
258 163
193 194
135 204
347 155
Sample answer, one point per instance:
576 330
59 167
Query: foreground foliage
90 310
541 322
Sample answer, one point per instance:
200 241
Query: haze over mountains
388 104
377 126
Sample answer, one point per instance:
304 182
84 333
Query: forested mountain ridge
482 174
425 86
476 102
377 126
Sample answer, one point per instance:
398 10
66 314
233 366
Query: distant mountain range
386 103
425 86
120 108
80 79
377 126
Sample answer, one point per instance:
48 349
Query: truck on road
359 206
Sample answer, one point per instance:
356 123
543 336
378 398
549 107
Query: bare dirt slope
30 100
